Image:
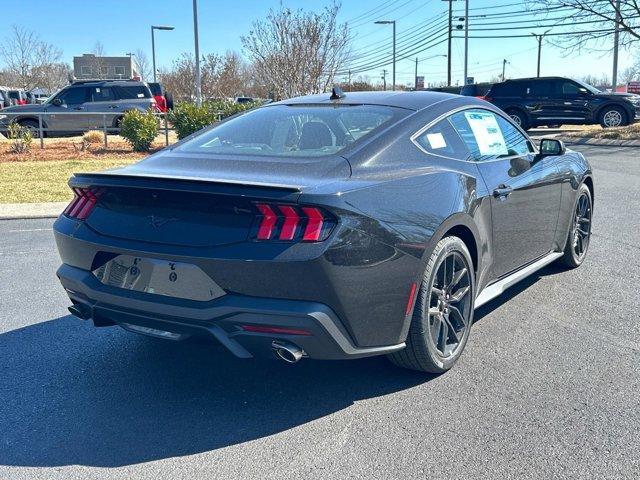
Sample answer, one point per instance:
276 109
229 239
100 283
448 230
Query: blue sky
123 26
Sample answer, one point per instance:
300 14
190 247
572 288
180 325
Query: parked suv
85 100
554 101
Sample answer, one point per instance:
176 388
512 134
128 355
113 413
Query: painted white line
31 230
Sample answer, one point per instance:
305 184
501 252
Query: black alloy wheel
443 313
580 233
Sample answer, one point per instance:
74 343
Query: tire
577 244
434 316
519 119
31 125
612 116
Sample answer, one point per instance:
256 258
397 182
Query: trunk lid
198 202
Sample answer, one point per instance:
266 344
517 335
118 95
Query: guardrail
41 130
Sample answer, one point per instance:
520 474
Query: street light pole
197 48
504 66
153 45
392 22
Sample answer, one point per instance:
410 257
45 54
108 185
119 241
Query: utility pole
416 76
197 48
449 41
504 66
349 82
384 79
616 41
539 39
466 41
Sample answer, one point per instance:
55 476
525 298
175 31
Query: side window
540 88
488 135
73 96
133 91
569 88
101 94
441 139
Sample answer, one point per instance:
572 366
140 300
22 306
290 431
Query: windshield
298 130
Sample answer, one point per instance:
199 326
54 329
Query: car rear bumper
222 318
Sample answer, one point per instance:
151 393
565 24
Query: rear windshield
155 88
133 91
303 131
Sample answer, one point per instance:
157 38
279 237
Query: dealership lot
548 385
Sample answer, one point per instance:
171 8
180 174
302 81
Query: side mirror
57 102
551 146
583 91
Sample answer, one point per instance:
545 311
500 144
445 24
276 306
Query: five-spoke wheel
575 249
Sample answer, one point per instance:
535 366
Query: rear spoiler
187 184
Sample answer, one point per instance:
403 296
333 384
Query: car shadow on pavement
74 394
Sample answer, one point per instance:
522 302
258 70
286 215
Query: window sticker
141 95
436 140
487 133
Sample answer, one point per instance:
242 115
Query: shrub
188 118
139 129
93 136
21 138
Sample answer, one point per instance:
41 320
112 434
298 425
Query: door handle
568 103
113 106
502 191
78 108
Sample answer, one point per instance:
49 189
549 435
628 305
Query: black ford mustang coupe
327 227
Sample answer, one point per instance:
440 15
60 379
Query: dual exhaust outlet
287 351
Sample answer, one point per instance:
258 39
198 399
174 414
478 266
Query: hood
616 95
24 108
290 172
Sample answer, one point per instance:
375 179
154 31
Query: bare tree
297 52
143 64
98 66
27 58
591 23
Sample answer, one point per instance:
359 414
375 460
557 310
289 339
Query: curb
19 211
598 142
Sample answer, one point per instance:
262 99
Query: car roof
412 100
107 82
528 79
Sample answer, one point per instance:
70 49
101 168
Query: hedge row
188 118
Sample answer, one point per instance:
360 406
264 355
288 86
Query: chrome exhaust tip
286 351
79 312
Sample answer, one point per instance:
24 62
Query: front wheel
613 117
575 249
443 313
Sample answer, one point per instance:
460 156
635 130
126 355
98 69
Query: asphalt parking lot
548 386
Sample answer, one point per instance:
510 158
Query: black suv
554 101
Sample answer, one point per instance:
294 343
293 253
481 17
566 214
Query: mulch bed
69 149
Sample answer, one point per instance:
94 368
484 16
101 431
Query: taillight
84 199
291 223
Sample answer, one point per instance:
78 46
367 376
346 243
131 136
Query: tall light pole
504 66
539 39
153 45
392 22
197 48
